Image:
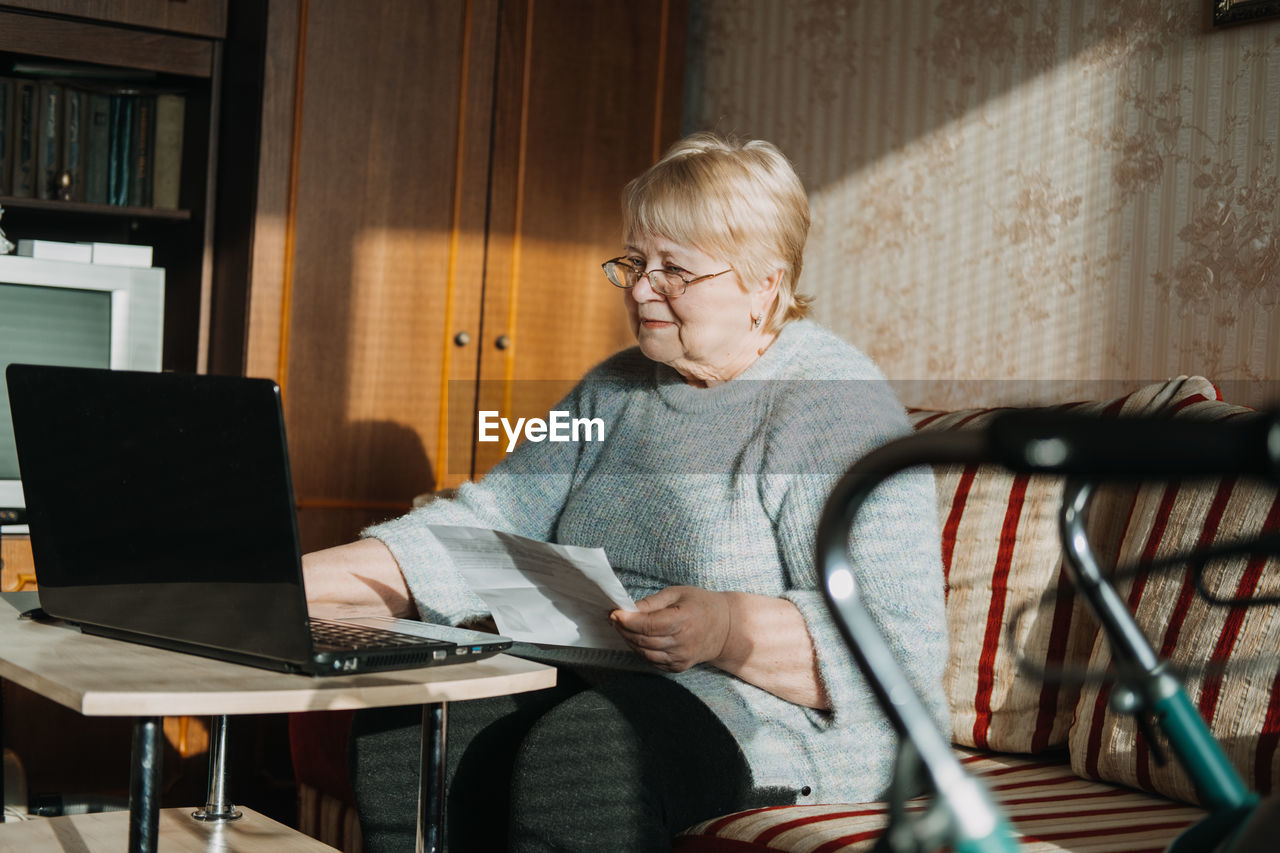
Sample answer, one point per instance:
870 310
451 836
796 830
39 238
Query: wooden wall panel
272 212
321 526
589 98
375 182
466 277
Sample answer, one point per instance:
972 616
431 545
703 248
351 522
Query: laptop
161 511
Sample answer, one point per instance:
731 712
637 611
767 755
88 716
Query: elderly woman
726 428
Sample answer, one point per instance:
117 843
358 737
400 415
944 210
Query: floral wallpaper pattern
1020 189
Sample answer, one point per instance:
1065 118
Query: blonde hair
741 201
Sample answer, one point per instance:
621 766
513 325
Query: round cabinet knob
461 339
502 342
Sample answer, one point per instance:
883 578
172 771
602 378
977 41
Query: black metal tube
144 785
430 837
969 807
834 528
1129 646
1055 442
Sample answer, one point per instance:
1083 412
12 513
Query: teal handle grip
1001 840
1220 787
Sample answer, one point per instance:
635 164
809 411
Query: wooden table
96 676
105 833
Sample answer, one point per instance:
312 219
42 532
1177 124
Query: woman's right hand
677 627
360 578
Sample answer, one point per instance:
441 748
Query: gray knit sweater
722 488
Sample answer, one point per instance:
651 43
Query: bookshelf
157 46
149 50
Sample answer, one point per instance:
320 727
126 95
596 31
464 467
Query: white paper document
539 592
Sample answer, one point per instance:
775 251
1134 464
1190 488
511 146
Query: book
167 173
143 143
71 179
48 139
119 254
97 147
24 138
120 149
54 250
6 134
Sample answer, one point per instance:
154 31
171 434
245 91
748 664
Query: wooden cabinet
91 52
206 18
436 185
17 569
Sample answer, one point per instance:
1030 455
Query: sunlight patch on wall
941 256
1056 190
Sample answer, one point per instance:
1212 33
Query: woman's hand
762 640
361 578
678 627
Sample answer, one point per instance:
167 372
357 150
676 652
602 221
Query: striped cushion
1241 704
1049 807
1001 554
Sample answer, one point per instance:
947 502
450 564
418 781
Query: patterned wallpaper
1020 189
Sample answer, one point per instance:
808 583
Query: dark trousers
619 767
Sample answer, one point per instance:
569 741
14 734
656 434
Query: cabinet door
589 96
446 173
385 252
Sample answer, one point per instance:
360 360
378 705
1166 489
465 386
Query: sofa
1067 771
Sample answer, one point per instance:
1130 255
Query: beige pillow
1001 553
1240 703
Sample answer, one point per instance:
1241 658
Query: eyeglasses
623 273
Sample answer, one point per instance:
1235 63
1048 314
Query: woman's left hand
678 627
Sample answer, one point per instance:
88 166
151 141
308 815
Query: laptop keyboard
336 636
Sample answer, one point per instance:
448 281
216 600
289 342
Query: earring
755 321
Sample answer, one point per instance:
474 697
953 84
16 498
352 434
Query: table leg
144 785
431 787
216 806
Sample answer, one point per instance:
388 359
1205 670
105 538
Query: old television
73 314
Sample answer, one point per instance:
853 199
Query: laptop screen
161 505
